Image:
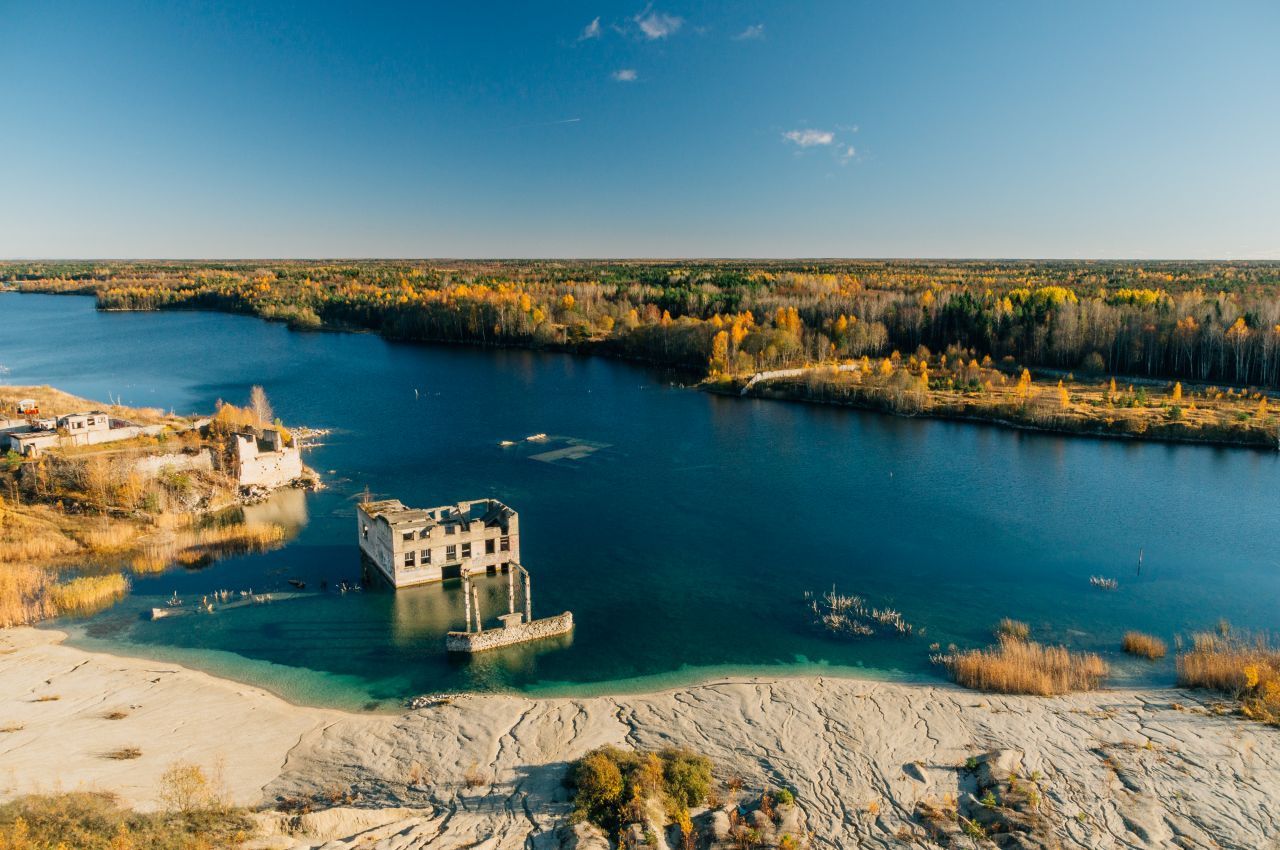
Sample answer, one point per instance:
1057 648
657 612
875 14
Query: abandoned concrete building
412 546
261 459
28 437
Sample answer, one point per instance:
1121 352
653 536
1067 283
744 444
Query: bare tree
260 406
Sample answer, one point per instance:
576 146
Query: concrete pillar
511 591
466 599
475 602
528 597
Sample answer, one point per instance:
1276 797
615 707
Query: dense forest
1211 322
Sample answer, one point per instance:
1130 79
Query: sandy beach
1120 768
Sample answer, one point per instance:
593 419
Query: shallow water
684 545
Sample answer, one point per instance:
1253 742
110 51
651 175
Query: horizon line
635 258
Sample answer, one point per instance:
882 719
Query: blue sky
589 129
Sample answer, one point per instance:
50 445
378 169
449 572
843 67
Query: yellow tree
720 353
1177 391
1023 389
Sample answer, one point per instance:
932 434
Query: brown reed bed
1144 645
1243 667
1023 667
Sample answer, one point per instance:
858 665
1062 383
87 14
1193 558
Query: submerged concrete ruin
517 626
411 546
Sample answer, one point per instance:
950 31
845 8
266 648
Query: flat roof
396 513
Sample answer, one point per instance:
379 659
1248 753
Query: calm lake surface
683 545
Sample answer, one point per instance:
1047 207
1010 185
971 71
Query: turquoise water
683 546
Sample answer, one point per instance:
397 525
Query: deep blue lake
684 545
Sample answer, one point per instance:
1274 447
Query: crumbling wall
270 469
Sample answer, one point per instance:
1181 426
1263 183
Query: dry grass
110 537
1144 645
123 754
24 594
1012 629
84 820
55 402
1246 669
88 594
1018 667
36 541
31 534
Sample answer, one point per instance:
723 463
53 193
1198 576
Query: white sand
1121 768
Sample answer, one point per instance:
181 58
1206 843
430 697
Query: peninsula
91 494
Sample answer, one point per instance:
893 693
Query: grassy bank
965 389
76 522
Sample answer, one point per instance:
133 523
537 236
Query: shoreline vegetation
1177 351
745 762
77 522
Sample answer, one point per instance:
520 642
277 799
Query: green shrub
612 786
687 776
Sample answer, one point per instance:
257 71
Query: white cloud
657 25
625 75
591 30
755 32
847 154
810 138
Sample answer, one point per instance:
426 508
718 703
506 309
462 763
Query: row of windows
423 534
451 552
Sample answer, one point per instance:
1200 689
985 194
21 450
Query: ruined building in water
411 546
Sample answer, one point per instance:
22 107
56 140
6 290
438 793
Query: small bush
123 754
185 788
1144 645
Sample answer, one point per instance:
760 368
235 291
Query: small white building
411 546
75 429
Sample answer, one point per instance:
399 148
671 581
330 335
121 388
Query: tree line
1206 322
